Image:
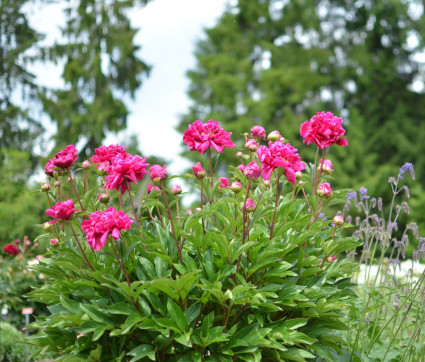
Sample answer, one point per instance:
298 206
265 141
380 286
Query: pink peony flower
251 145
250 205
280 154
11 249
152 188
198 171
61 211
104 155
327 167
176 189
225 183
258 132
48 169
158 173
324 129
102 224
252 171
236 187
65 158
125 169
201 136
324 190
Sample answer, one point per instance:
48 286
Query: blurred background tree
100 68
277 62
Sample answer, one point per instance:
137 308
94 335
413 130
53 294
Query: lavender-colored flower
406 167
351 195
363 193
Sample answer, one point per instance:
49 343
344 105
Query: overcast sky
169 30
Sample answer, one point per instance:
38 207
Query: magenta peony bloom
152 188
280 154
65 158
327 167
225 183
48 170
252 171
258 132
125 169
158 173
198 171
61 211
201 136
250 205
324 129
102 224
324 190
11 249
104 155
251 145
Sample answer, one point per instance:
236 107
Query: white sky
168 33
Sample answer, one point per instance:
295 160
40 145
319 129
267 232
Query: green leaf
69 304
177 316
131 321
144 350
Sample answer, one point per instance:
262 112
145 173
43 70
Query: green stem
275 206
75 189
81 248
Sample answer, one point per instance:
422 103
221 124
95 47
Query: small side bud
274 136
198 209
338 220
104 198
86 164
54 242
47 226
250 205
239 154
45 187
176 190
236 187
58 183
324 190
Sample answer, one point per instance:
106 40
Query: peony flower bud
251 145
250 205
104 198
331 258
198 171
36 245
239 154
153 188
252 171
58 183
258 132
27 242
158 173
189 211
225 183
266 183
47 226
338 220
327 167
17 241
324 190
198 209
45 187
274 136
298 174
85 164
176 189
246 135
236 187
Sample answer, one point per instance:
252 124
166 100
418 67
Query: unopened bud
274 136
69 179
47 226
198 171
54 242
246 135
104 198
250 205
239 154
331 258
36 245
57 183
251 145
266 183
17 241
27 242
324 190
236 187
189 211
298 174
338 220
85 164
198 209
45 187
176 189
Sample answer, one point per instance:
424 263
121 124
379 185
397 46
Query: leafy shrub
252 274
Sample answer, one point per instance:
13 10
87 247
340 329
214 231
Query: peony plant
253 273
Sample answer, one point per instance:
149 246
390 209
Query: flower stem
202 203
48 199
81 248
171 222
86 182
275 206
211 168
243 224
132 205
319 173
75 189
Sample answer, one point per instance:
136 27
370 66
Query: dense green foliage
275 63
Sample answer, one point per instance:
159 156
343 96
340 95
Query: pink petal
342 142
